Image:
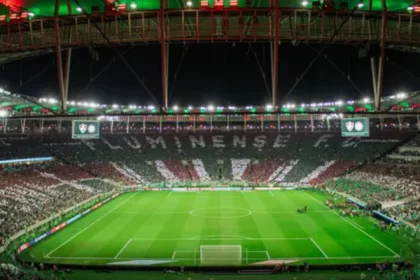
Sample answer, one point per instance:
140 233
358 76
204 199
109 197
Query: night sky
220 74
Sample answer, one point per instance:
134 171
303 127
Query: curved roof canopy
45 8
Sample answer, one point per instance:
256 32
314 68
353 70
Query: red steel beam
163 53
384 27
58 56
275 52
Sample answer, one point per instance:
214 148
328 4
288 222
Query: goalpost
221 254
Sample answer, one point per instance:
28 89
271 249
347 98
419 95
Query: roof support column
384 27
164 54
58 56
374 71
68 59
275 51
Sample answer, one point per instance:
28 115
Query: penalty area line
119 253
86 228
359 229
319 248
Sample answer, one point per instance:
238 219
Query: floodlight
189 3
176 108
115 106
210 108
133 6
3 113
305 3
339 103
410 8
79 9
366 100
360 5
401 95
269 107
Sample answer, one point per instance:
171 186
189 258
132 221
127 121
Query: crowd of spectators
409 212
30 195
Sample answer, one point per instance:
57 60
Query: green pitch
217 228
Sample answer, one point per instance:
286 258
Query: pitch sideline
362 231
94 222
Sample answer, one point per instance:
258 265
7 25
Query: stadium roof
43 8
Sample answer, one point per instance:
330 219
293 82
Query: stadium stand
32 193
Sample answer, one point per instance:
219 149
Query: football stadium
276 177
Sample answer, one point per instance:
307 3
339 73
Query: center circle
220 213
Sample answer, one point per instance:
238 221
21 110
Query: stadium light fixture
79 9
269 107
176 108
339 103
3 113
133 6
305 3
1 90
366 100
410 8
190 107
210 108
151 107
401 95
360 5
189 3
115 106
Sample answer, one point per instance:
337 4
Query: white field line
354 223
86 228
319 248
288 258
221 236
288 211
173 255
216 238
271 193
359 229
268 255
126 244
169 194
341 258
254 212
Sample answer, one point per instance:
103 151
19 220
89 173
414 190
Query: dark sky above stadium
220 74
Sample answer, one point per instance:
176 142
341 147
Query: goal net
221 254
